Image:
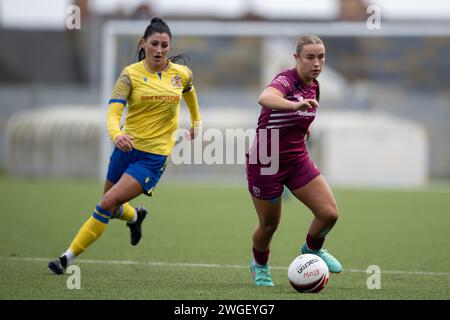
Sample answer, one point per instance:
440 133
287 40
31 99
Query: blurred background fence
392 81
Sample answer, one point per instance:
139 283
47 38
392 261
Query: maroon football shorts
293 174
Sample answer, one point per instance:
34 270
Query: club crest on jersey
145 79
176 81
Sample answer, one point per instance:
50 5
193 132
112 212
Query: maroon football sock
314 243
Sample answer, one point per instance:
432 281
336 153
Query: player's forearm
191 100
275 102
114 115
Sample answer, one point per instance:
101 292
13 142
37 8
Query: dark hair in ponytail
184 58
157 25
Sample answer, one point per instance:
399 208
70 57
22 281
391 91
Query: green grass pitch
197 244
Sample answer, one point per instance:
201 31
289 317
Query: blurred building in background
45 65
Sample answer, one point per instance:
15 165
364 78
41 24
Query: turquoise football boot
333 264
261 275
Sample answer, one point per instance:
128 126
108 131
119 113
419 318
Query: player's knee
269 228
109 204
332 213
328 213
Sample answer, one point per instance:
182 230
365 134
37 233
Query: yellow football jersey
153 101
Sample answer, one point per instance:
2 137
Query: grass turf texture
396 230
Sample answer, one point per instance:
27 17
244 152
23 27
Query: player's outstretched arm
273 99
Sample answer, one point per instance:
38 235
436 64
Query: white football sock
69 255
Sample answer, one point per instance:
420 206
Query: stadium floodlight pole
114 28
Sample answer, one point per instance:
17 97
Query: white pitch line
210 265
423 273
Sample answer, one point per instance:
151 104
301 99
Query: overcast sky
51 14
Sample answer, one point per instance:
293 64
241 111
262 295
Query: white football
308 273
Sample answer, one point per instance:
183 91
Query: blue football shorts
147 168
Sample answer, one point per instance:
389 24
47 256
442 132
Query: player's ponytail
141 54
183 58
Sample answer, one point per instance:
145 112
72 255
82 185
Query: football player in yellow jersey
152 88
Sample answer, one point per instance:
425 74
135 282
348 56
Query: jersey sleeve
121 91
122 88
187 82
283 83
114 114
190 97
